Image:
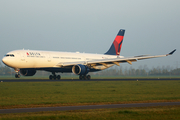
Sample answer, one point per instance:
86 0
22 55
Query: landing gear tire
54 77
17 75
50 77
88 77
58 77
84 77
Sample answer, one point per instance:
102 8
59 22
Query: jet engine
28 72
80 69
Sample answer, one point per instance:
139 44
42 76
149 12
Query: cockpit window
11 55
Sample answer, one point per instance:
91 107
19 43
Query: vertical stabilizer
115 48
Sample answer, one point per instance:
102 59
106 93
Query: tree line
4 70
115 71
141 71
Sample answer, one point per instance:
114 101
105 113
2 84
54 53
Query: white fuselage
44 59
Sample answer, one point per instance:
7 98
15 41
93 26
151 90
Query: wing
109 62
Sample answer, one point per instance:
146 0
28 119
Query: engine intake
27 72
80 69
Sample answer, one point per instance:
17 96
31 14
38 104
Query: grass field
150 113
43 94
33 94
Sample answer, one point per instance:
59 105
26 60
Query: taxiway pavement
66 108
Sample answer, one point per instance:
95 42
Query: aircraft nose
4 60
8 61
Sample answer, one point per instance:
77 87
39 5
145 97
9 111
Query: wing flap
108 62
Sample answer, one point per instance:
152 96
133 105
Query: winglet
171 52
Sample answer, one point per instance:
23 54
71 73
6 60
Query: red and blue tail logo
115 48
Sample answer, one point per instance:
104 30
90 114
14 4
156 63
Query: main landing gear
54 76
84 77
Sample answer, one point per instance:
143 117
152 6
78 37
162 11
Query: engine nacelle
80 69
28 72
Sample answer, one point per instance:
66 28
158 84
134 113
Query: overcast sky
152 27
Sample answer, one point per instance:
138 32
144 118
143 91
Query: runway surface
66 80
66 108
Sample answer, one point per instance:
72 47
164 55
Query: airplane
27 62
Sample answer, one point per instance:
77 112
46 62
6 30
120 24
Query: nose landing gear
17 75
